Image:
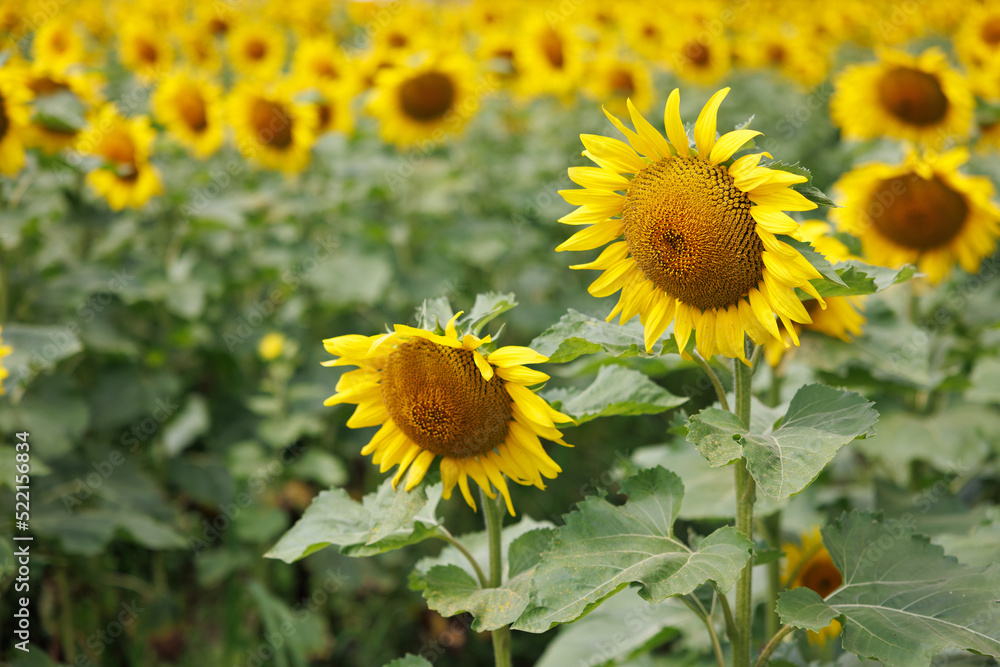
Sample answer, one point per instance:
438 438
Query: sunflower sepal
434 314
806 189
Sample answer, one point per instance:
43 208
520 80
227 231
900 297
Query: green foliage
785 458
382 522
902 600
603 548
577 334
615 391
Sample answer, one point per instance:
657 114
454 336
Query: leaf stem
772 533
772 645
446 535
746 489
727 612
493 513
720 393
700 612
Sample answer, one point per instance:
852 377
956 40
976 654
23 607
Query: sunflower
333 108
144 49
923 211
125 177
83 88
321 61
4 351
792 52
699 56
699 245
920 99
417 102
842 317
256 49
615 80
272 127
977 39
810 565
58 44
440 395
550 58
14 98
190 106
199 47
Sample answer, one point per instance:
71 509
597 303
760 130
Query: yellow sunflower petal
729 143
704 127
674 125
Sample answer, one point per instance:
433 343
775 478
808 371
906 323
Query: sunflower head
693 231
811 565
922 212
917 98
191 108
449 394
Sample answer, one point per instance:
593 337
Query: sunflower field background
197 195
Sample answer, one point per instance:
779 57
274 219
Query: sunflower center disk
917 213
4 123
913 96
191 105
438 398
822 577
272 123
427 97
689 230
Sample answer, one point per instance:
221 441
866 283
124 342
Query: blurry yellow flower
256 49
143 48
550 58
271 346
693 237
699 56
428 100
441 395
191 108
977 39
272 128
199 47
920 99
125 177
4 351
612 81
58 44
319 60
49 135
922 212
810 565
14 118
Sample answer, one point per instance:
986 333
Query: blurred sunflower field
560 333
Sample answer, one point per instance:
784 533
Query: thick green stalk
493 512
746 489
772 533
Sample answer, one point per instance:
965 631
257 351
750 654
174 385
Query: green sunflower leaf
487 308
383 521
860 278
450 585
785 458
603 548
902 601
615 391
577 334
819 262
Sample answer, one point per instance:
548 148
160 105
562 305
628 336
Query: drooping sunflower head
426 100
694 233
191 108
922 212
4 351
920 99
811 565
444 395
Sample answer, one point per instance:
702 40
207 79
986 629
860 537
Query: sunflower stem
493 513
746 489
772 533
720 393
